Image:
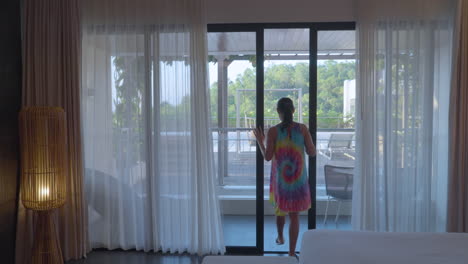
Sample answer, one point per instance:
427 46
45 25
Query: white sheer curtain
150 182
402 128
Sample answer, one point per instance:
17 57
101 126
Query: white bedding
248 260
350 247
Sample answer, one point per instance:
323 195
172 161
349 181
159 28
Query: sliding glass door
251 66
286 74
336 108
233 87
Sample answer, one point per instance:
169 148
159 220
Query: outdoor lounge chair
339 187
338 143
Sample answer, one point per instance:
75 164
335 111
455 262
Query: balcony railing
235 152
323 122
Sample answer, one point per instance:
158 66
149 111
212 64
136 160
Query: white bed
248 260
349 247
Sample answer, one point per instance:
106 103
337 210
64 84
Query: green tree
331 77
128 118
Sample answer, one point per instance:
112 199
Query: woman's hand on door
260 136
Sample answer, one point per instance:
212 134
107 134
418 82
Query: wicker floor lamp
43 170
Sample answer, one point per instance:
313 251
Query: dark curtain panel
10 102
458 174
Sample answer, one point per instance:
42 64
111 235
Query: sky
235 68
238 67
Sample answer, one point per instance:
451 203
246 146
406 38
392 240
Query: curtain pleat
458 174
51 77
150 179
402 129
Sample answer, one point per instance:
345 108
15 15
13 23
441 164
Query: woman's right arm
309 144
267 151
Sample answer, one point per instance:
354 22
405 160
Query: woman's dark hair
286 107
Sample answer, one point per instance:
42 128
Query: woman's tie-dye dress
289 186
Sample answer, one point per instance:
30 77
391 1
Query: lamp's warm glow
43 157
44 193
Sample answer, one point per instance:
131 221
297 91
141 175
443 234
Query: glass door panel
286 74
336 154
232 56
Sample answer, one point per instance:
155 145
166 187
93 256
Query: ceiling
282 42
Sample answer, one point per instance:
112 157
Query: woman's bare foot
293 255
280 241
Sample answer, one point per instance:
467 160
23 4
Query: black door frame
259 28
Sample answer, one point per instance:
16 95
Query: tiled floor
241 231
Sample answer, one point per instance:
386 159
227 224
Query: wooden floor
241 231
137 257
134 257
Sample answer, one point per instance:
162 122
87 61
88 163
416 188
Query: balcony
237 189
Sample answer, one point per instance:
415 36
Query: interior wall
10 102
219 11
264 11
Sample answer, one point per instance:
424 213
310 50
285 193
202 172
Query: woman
289 185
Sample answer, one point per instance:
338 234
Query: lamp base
46 248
